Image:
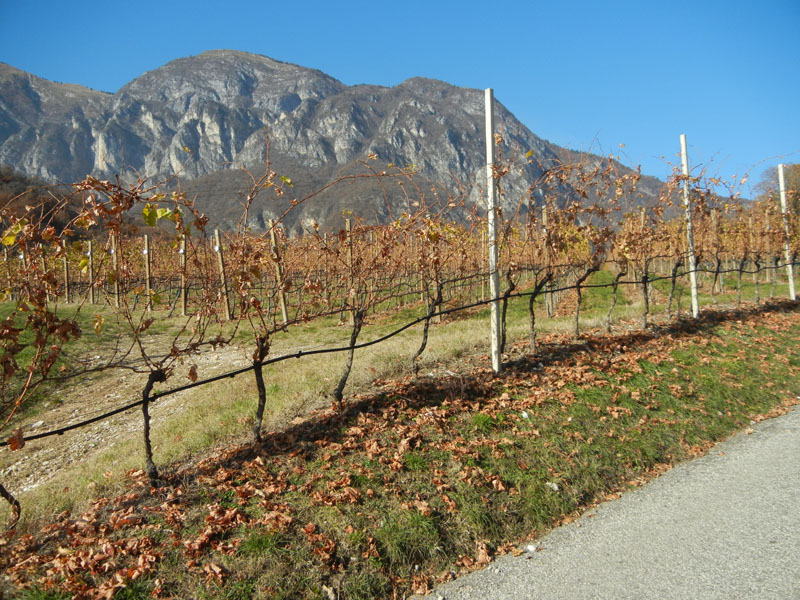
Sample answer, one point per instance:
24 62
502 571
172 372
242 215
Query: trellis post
276 258
43 265
770 255
715 237
223 280
90 255
687 206
549 295
115 265
184 292
491 207
787 249
65 260
348 227
7 265
147 281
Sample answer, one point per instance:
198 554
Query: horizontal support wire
301 353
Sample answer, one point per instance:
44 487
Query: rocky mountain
208 117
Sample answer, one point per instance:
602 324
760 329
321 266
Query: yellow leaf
10 236
98 324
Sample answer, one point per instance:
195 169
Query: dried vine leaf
16 441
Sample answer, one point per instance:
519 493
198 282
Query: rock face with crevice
207 117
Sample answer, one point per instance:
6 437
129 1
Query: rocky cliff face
222 105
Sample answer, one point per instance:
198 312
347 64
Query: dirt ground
36 463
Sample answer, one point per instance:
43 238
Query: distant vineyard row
377 267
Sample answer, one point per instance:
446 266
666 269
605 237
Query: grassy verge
222 412
424 478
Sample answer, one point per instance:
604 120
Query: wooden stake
348 227
223 280
276 258
715 234
9 285
91 273
549 297
65 260
115 265
43 265
147 280
184 291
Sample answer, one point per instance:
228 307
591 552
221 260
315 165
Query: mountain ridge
223 105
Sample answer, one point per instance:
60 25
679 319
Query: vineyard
129 279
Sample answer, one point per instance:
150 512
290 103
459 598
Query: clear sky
589 75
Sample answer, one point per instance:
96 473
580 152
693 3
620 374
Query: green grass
139 589
327 332
220 412
476 472
270 544
598 299
407 538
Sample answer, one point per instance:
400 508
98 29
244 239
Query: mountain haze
222 105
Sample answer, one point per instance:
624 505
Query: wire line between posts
301 353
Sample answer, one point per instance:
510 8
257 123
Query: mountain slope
207 117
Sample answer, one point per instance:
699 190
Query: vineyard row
552 296
422 259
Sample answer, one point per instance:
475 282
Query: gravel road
726 525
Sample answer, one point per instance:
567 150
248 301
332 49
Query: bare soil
39 460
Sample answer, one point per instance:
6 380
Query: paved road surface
725 526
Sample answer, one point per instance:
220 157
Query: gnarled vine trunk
673 284
433 306
156 376
258 363
15 507
774 276
510 290
645 298
614 287
578 283
756 278
717 267
739 271
338 393
531 300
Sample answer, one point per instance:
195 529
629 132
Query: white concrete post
491 206
786 244
689 231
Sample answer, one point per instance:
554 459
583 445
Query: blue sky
590 75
